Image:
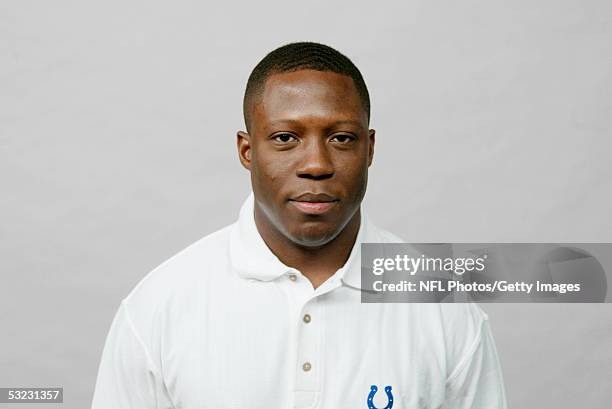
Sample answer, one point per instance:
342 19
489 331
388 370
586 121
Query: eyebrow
295 122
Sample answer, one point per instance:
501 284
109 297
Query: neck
315 263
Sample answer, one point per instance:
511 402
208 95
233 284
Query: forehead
309 95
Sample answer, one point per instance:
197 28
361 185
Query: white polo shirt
225 324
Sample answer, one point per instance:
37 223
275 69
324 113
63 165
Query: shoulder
180 274
464 325
460 323
468 313
166 297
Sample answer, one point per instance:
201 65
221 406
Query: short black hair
303 56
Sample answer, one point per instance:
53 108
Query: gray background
117 144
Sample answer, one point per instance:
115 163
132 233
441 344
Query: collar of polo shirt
253 259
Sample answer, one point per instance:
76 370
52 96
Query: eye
343 138
284 138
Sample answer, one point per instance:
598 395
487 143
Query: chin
314 236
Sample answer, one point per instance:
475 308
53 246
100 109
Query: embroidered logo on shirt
373 390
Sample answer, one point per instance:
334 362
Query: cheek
361 181
354 175
270 172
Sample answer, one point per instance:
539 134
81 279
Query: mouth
314 203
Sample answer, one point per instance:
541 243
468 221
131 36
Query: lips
314 203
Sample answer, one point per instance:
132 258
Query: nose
316 162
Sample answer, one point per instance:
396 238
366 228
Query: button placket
309 364
305 384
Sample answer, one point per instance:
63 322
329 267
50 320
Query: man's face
308 151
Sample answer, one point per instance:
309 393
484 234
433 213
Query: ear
243 142
372 137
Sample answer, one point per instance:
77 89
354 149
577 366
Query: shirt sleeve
477 382
127 377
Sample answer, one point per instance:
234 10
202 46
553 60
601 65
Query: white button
292 277
306 367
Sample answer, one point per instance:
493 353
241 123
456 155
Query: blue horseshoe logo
373 390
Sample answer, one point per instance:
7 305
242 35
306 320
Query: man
266 313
